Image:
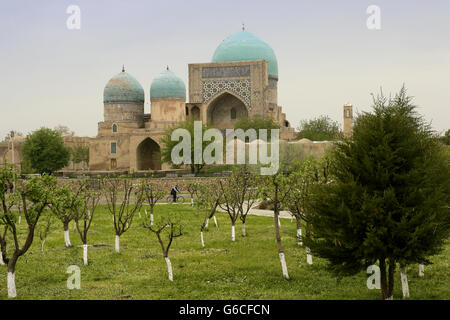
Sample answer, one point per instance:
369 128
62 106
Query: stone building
241 81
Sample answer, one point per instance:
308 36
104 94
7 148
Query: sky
327 56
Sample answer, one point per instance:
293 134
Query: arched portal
225 110
148 155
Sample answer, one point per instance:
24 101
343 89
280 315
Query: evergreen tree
389 199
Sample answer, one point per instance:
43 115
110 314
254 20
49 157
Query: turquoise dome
245 46
123 88
167 85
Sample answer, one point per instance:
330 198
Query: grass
246 269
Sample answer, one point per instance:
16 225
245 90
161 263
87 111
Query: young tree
45 152
276 188
166 229
193 188
124 213
319 129
63 203
389 200
34 196
84 212
44 229
153 193
209 197
80 153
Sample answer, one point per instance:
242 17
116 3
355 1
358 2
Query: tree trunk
421 270
280 248
201 237
206 223
404 278
85 256
244 234
215 221
391 280
169 268
192 201
299 231
383 280
308 256
117 244
11 277
151 215
42 246
279 223
66 235
233 232
20 218
2 263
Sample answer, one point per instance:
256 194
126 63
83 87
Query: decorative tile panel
241 88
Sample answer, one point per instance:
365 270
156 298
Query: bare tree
276 188
123 213
192 188
166 229
154 192
239 193
34 195
84 213
209 197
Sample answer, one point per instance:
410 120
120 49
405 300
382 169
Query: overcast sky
326 54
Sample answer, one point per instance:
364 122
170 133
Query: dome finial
123 68
167 68
243 26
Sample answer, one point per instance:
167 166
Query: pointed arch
225 109
148 155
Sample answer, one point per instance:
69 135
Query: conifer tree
389 200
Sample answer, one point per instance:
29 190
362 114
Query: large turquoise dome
123 88
167 85
245 46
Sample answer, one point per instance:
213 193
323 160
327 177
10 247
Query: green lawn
246 269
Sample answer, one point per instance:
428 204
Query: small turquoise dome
167 85
123 88
245 46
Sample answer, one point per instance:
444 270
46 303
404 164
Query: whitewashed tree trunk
151 219
192 202
11 285
117 244
67 238
42 246
20 218
207 223
404 278
421 270
85 252
2 263
279 223
308 256
139 214
201 237
243 230
283 265
233 233
299 236
74 227
169 268
215 221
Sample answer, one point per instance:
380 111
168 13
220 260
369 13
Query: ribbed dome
167 85
123 88
245 46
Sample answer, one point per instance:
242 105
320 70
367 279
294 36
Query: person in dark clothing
174 192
